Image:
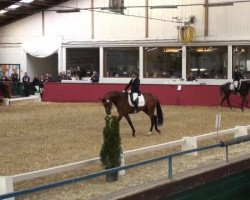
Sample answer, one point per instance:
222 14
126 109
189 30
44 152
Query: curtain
42 47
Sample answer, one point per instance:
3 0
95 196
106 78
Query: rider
134 85
237 76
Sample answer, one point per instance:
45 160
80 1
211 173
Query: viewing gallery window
120 61
241 57
162 62
207 62
82 61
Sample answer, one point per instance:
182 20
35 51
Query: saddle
141 99
234 85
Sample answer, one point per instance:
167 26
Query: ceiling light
171 50
13 6
26 1
3 11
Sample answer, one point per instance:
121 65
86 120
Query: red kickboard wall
187 95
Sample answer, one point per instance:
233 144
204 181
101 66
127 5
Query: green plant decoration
111 149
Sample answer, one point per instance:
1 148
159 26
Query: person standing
4 77
35 83
134 85
15 79
26 81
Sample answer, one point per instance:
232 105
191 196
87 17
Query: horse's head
107 105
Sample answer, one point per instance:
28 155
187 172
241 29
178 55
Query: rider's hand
123 90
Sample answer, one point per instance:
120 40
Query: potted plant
111 150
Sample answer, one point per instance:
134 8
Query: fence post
241 131
190 143
227 154
122 172
6 101
6 185
170 170
39 99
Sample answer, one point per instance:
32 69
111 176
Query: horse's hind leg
156 127
130 123
151 126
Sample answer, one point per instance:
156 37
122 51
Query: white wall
228 23
10 55
42 66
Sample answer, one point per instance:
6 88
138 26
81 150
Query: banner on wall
8 69
42 47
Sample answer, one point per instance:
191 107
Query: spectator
191 77
36 83
41 85
95 77
78 73
26 81
47 78
4 77
15 79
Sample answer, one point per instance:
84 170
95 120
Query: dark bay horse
226 92
120 101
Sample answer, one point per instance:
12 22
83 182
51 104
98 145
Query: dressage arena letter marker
6 185
218 121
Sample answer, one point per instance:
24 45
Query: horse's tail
159 113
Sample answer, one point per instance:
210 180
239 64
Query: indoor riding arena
175 73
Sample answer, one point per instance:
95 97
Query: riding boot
135 106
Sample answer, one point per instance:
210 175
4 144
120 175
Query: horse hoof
149 133
158 131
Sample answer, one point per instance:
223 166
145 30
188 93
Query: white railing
35 98
6 183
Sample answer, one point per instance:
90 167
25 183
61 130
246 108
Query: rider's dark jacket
134 85
237 76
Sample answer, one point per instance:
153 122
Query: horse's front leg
242 103
130 123
228 101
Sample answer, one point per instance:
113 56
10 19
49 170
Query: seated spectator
95 77
191 77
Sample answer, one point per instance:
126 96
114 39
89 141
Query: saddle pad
141 101
232 86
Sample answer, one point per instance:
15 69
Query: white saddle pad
232 87
141 100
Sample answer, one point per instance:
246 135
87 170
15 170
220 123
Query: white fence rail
35 98
6 182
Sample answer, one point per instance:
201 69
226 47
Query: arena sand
37 136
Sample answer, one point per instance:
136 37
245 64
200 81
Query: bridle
108 105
